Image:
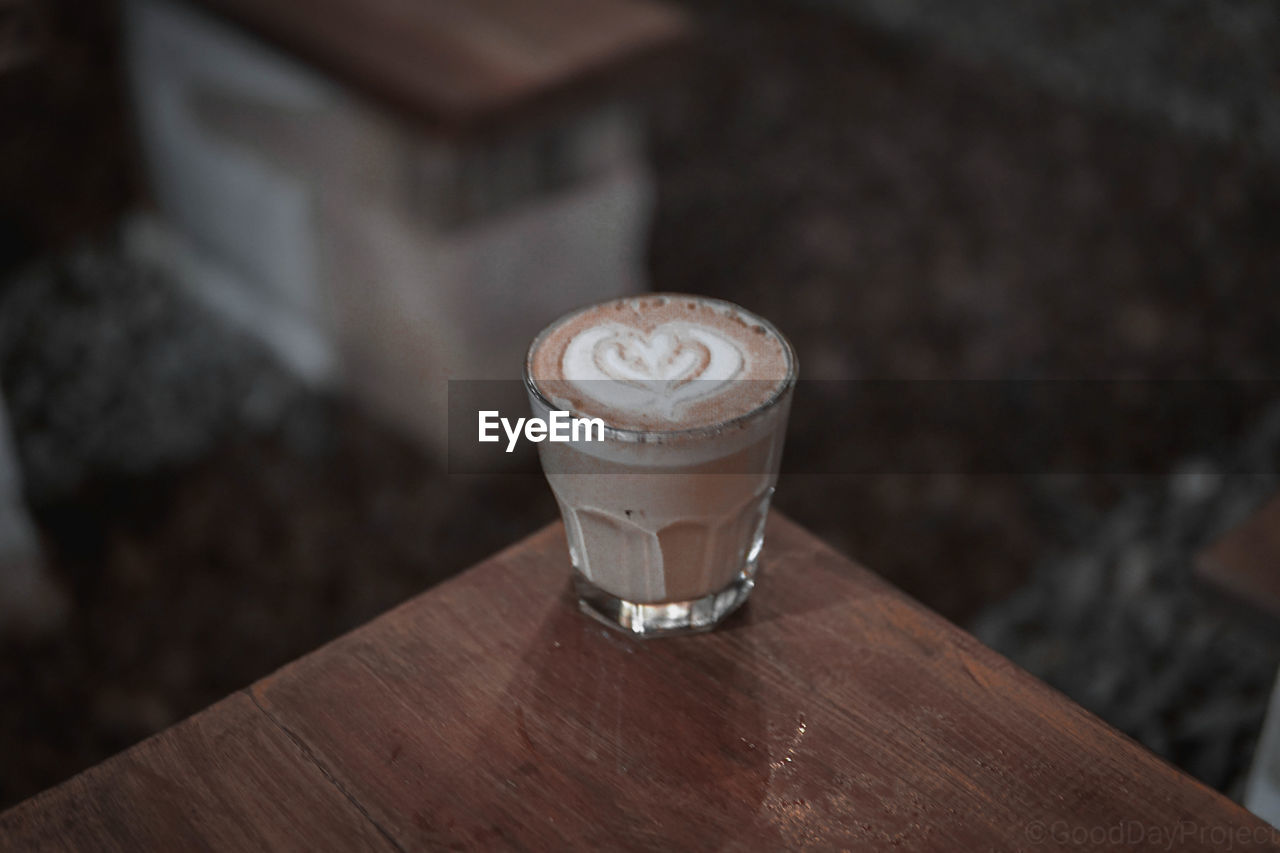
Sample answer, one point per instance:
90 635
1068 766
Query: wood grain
466 65
1244 565
488 713
227 779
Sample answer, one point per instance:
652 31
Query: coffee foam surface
660 362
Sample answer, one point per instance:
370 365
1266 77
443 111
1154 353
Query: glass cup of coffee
664 491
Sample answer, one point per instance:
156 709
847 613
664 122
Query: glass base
671 618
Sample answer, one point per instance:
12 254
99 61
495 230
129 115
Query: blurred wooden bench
399 192
465 66
488 713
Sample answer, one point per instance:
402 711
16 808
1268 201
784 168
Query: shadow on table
660 741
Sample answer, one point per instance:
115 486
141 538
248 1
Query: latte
665 518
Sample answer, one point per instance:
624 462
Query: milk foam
632 372
660 362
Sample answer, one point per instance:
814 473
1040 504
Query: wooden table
1243 567
1243 570
488 713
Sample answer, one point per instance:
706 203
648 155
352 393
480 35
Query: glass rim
644 436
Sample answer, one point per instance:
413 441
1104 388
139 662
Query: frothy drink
665 517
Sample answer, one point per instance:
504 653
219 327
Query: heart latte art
660 372
660 362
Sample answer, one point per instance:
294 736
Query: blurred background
243 246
